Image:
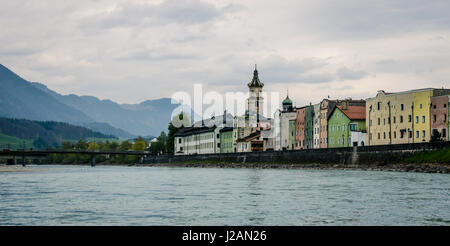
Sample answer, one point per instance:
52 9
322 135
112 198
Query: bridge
43 153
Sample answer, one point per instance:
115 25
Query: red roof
354 112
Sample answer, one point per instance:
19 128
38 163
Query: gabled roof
188 131
250 137
352 112
226 129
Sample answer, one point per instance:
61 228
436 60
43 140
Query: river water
120 195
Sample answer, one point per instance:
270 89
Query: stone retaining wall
381 154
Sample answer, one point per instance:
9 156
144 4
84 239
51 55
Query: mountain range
22 99
41 134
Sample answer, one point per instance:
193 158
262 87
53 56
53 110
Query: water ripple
109 195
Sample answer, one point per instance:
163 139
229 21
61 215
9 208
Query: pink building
439 115
300 128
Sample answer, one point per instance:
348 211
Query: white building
196 140
357 138
316 125
287 115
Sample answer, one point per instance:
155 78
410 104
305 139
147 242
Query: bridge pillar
92 160
23 160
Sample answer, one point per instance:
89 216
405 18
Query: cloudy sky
130 51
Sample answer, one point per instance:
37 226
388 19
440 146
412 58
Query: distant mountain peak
35 101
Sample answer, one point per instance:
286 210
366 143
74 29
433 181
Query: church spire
255 81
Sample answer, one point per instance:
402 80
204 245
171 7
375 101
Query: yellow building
402 117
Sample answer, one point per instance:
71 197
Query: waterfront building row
412 116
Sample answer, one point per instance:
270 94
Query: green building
226 140
346 126
292 134
309 127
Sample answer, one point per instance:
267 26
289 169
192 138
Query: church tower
255 100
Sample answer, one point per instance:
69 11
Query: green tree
435 136
93 146
67 145
125 146
81 145
113 146
160 145
140 144
177 123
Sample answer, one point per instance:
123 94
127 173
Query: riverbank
13 168
419 168
422 167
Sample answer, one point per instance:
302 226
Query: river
121 195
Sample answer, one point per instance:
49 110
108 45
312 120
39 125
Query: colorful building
309 127
226 140
402 117
292 129
326 107
346 125
316 126
440 116
300 124
287 125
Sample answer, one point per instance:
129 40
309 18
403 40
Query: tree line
162 145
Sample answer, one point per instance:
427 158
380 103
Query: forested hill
47 133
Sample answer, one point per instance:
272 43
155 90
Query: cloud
354 19
345 73
132 14
130 51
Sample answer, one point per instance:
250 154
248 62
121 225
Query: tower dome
287 101
287 104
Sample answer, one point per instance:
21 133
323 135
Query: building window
410 118
434 118
395 134
384 121
378 135
378 105
179 140
423 119
370 123
420 105
353 127
417 119
423 133
401 118
394 119
402 107
409 134
378 121
444 134
417 134
384 135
